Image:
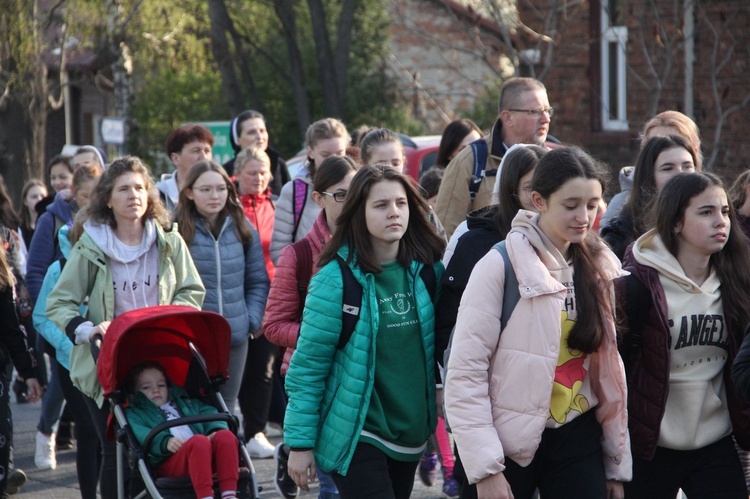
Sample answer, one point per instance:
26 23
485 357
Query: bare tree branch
721 114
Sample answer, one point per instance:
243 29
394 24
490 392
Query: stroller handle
96 346
187 420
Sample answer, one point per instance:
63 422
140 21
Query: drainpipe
689 56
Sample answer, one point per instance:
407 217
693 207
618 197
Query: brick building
610 66
444 55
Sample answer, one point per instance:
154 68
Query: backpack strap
352 300
299 198
59 223
479 148
351 303
303 271
511 295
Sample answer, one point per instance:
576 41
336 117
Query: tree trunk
326 66
37 107
220 25
122 63
285 13
343 46
247 75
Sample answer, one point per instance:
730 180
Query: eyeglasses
536 113
338 196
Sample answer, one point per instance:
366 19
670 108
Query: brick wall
433 43
573 80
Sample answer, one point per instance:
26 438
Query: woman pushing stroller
127 240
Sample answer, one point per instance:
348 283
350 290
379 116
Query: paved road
62 483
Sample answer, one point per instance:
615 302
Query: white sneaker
44 457
259 447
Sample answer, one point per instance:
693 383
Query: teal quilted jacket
329 389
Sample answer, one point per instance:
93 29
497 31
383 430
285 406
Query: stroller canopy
163 334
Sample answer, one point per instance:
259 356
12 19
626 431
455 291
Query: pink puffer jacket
281 321
499 386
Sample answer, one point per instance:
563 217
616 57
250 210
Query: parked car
420 152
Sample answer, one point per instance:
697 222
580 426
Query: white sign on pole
113 131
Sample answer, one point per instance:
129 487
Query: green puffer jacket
87 273
329 389
143 415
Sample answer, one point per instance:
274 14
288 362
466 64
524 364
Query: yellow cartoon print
569 376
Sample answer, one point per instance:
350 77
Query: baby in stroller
198 450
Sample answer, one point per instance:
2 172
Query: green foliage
177 80
484 112
165 101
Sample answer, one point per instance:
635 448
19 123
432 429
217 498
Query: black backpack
479 147
352 300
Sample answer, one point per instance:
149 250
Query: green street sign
222 150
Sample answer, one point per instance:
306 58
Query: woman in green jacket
126 240
363 409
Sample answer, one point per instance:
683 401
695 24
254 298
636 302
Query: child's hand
174 444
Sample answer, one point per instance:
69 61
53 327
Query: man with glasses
524 118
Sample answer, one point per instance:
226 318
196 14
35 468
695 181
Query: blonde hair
250 154
683 125
327 128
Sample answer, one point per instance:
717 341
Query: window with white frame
614 37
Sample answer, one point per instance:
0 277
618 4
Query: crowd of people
494 320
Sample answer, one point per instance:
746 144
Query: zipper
218 267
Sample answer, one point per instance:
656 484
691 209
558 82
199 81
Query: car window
428 161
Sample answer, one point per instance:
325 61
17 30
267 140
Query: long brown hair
516 164
640 205
25 213
732 263
554 169
420 242
99 212
186 213
453 135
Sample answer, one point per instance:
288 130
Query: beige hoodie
696 414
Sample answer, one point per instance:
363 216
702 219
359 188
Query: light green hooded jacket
87 274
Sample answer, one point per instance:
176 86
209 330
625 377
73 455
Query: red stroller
193 346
